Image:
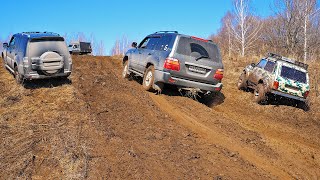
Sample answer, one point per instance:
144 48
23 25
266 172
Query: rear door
199 59
163 49
146 52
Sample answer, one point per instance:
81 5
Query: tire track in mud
284 140
191 122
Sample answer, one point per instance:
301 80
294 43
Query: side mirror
253 64
134 45
5 45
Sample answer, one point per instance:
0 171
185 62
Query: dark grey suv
167 57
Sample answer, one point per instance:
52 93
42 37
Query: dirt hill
98 125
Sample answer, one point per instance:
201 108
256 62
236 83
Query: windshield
198 49
293 74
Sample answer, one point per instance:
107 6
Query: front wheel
3 62
242 83
260 94
125 72
148 79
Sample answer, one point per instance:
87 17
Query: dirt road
98 125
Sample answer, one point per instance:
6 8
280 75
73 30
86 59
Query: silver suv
35 55
167 57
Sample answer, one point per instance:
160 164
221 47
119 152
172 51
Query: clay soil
97 125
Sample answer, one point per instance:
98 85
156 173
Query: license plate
292 87
197 69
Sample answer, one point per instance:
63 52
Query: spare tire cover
50 55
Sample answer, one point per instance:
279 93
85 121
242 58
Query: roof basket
292 61
31 32
37 32
161 32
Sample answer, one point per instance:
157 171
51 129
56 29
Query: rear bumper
288 95
31 76
165 77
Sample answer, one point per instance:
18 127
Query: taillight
172 64
306 94
219 74
275 85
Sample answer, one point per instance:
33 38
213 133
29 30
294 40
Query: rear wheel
17 75
148 79
242 83
260 94
305 105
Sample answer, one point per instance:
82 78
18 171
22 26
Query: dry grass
41 128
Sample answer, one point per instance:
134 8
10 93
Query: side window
262 63
12 41
149 43
270 66
164 43
144 43
152 42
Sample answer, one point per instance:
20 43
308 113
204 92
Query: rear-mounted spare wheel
52 63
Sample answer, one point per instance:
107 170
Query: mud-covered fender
18 62
267 84
248 70
127 56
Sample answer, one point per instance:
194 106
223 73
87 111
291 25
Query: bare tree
245 26
100 49
307 11
120 46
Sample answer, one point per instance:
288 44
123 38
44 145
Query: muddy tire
125 72
242 82
260 94
304 105
148 79
17 75
3 62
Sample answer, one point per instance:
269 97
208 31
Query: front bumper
165 77
288 95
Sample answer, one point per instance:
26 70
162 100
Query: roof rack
292 61
37 32
160 32
34 32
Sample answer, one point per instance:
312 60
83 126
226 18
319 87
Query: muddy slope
99 125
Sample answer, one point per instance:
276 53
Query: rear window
293 74
197 48
42 39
